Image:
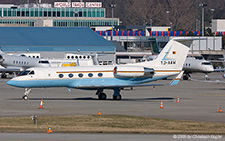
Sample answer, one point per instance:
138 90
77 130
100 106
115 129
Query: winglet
176 80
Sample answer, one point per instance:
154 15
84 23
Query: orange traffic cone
178 99
220 110
41 104
49 130
99 113
161 105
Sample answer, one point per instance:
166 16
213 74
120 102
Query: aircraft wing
8 70
175 81
116 86
219 69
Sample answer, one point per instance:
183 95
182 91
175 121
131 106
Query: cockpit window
206 63
43 62
26 72
31 73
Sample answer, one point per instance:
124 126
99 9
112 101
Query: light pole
112 6
212 10
203 5
168 12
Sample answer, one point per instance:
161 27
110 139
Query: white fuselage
21 62
195 65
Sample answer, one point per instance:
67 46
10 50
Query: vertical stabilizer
173 54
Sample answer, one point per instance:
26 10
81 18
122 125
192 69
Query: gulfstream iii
168 63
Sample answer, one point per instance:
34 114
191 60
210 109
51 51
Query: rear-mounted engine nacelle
132 71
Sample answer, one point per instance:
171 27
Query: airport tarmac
198 101
103 137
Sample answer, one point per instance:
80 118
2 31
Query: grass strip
109 124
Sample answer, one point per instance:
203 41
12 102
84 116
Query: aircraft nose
12 83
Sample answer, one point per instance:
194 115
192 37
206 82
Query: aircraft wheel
102 96
4 76
185 77
25 97
117 97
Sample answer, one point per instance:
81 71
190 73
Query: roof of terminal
55 39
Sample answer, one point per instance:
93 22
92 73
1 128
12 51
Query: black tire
25 97
102 96
185 77
118 97
3 76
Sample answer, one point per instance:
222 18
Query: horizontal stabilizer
176 80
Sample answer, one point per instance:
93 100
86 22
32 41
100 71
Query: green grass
109 124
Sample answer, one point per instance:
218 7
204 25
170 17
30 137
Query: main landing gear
103 96
186 76
26 92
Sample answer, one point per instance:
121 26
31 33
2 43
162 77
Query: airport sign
62 4
78 4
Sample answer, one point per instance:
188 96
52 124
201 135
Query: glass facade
53 12
62 17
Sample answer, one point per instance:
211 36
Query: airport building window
90 75
32 13
60 75
70 75
100 74
80 75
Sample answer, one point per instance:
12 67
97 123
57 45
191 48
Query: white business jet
169 63
18 63
193 65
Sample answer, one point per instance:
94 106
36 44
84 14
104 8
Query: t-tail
173 55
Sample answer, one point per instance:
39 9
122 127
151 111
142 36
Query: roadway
198 101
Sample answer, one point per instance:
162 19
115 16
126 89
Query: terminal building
62 14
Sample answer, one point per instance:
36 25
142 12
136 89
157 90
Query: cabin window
90 74
72 57
76 57
13 62
68 57
84 57
70 75
80 57
189 64
88 57
60 75
100 74
80 75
